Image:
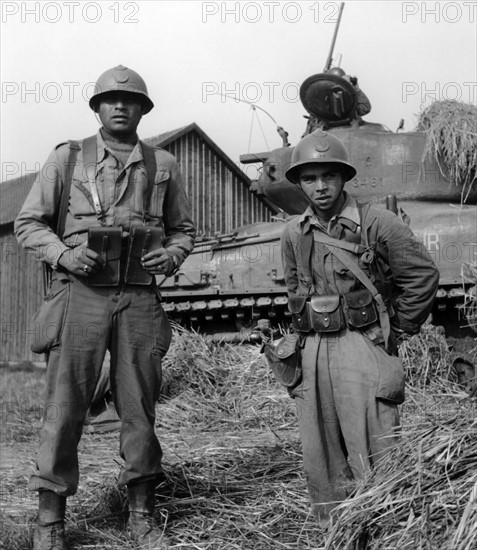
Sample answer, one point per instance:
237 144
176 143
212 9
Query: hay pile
451 128
234 477
424 494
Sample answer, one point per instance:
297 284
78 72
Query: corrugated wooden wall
219 199
21 293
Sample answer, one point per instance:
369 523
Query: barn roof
162 140
13 192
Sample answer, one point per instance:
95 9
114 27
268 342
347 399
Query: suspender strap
63 210
65 194
151 168
364 279
90 159
345 245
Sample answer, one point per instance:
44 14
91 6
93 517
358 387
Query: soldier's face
120 112
323 184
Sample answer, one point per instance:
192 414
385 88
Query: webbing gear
90 160
90 157
364 279
63 210
65 193
336 246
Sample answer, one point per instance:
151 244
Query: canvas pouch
48 321
284 360
106 241
142 240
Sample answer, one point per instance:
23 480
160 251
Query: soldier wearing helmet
362 105
106 214
357 281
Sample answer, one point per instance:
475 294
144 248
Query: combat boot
50 530
142 526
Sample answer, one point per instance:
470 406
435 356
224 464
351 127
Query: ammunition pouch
106 241
318 313
284 360
297 306
122 260
360 309
142 240
326 313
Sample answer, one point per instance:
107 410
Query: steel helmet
319 147
121 79
337 71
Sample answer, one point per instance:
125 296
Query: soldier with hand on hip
106 214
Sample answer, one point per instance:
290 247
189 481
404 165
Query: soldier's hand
80 261
158 262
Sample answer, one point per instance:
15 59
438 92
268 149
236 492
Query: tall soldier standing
119 187
357 281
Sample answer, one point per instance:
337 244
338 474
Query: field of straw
233 462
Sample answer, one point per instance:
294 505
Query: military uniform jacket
402 269
122 192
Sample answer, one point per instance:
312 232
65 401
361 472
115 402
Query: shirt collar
349 213
135 156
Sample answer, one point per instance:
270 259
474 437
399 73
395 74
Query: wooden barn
220 200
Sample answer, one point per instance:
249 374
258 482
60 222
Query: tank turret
229 282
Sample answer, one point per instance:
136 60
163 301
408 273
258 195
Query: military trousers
344 429
131 323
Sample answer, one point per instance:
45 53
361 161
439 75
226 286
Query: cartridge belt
333 312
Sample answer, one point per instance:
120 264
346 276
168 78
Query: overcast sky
405 54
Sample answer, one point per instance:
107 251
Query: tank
231 281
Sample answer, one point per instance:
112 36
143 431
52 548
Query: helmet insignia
322 145
121 74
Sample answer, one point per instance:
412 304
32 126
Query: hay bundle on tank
451 128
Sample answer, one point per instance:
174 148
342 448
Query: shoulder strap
65 194
345 245
305 247
151 168
90 159
364 279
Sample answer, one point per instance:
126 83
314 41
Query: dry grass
469 277
233 462
451 128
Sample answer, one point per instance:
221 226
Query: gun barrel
335 34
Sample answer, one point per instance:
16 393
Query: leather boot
142 526
50 529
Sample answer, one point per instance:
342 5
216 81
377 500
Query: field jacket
122 192
401 268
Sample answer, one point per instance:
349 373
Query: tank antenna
335 34
282 133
